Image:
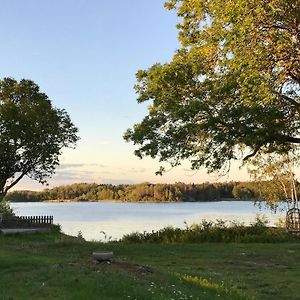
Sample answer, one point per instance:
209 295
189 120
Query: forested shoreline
145 192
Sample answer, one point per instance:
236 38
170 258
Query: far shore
124 201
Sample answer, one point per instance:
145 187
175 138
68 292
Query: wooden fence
37 219
26 221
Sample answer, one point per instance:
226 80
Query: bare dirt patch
126 266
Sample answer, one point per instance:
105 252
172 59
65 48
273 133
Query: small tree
274 178
32 133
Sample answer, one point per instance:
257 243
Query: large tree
32 133
231 91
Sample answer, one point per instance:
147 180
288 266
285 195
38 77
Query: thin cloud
132 170
115 181
76 166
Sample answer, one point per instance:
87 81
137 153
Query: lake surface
117 219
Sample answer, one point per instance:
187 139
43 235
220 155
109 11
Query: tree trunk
2 195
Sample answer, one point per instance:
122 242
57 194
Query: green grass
55 266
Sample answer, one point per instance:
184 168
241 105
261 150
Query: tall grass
219 231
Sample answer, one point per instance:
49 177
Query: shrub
258 232
5 209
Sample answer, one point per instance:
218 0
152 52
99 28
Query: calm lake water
117 219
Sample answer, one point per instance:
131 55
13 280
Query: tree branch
252 154
277 26
291 100
295 77
289 139
15 182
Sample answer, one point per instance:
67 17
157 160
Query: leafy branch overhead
231 91
32 133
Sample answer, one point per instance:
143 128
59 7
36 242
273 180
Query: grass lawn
56 266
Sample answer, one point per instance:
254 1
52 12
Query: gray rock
102 256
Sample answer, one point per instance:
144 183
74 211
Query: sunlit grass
220 288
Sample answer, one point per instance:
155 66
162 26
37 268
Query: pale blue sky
84 55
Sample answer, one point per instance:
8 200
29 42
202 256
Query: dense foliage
32 133
23 196
144 192
135 192
231 91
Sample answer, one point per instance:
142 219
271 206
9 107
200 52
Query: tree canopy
32 133
231 91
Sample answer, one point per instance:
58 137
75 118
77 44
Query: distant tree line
146 192
23 196
142 192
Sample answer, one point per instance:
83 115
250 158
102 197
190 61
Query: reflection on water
117 219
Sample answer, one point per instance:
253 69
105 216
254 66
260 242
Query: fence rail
26 221
37 219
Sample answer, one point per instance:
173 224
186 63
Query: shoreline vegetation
218 231
145 201
146 192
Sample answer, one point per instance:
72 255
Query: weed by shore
219 231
